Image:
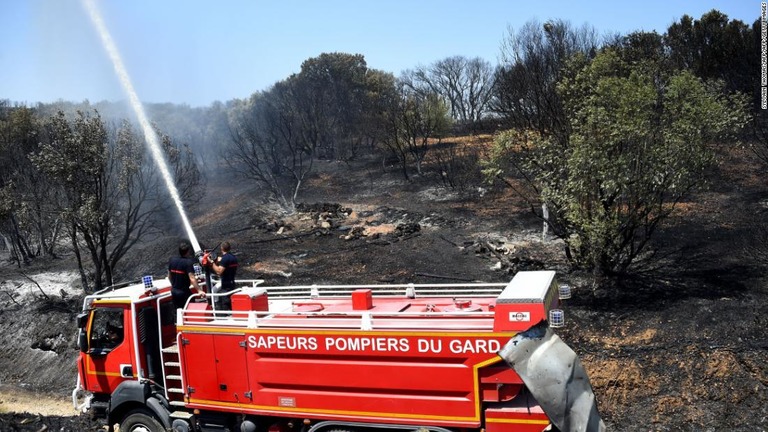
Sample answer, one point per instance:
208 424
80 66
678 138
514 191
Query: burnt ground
680 346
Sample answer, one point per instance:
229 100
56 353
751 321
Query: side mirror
82 339
82 319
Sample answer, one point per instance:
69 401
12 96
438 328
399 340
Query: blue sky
199 51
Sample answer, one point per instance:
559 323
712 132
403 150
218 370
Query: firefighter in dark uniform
181 273
226 267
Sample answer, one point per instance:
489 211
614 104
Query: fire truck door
109 360
231 368
215 367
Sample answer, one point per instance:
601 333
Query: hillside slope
682 347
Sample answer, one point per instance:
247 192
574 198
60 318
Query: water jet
150 136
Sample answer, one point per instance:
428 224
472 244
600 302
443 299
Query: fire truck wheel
140 420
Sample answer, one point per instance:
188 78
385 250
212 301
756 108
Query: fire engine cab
312 358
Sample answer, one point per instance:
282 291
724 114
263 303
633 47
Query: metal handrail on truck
283 302
479 289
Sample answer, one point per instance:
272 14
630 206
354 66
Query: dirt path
13 400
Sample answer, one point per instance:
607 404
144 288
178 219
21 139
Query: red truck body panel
372 376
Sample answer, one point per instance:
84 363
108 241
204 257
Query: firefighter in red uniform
181 273
226 267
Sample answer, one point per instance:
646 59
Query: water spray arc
149 134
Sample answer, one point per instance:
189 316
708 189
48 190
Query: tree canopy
109 196
329 110
639 142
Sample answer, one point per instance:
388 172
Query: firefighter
114 336
226 267
181 273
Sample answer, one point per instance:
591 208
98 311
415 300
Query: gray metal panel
527 287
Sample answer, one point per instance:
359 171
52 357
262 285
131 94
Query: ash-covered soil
681 346
12 422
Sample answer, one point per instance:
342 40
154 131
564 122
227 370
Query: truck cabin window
107 330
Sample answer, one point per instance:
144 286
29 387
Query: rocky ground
682 346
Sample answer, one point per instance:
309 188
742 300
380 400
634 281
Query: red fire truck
312 358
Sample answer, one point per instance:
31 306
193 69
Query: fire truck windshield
107 329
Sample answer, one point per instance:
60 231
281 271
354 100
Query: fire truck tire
247 426
180 425
140 420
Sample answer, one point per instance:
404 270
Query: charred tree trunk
76 250
19 243
49 247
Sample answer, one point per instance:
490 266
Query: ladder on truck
174 390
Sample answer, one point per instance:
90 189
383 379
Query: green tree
412 123
532 63
73 155
381 97
184 168
644 48
110 192
27 220
270 144
328 110
331 92
715 47
639 143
